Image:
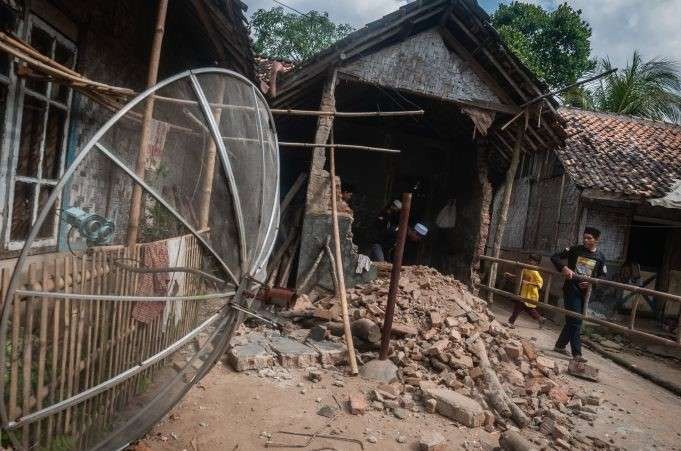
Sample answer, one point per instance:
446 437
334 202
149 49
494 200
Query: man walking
582 260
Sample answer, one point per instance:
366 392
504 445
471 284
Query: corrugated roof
621 154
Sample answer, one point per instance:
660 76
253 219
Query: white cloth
176 286
446 219
363 264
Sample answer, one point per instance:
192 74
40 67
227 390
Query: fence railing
60 346
630 329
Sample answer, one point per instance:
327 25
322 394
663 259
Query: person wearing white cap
386 232
415 235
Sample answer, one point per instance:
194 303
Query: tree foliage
650 89
555 45
291 36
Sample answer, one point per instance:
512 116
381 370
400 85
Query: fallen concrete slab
292 354
250 356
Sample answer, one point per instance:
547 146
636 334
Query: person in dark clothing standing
582 260
385 231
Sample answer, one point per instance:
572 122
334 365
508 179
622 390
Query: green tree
291 36
650 89
555 45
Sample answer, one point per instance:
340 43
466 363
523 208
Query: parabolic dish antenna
163 251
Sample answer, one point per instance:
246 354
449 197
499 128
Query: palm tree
650 89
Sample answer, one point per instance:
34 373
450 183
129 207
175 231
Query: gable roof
466 30
621 154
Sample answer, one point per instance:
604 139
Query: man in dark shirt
582 260
385 231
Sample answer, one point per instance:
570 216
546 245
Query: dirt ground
239 411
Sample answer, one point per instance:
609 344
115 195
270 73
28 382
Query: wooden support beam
502 218
152 77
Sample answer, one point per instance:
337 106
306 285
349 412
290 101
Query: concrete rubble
452 357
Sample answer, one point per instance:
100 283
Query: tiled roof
621 154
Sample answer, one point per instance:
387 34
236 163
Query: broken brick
358 403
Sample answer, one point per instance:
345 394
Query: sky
618 26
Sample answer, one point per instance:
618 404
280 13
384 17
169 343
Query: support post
316 184
152 77
556 233
503 211
340 272
209 168
395 276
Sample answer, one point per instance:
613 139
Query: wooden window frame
14 142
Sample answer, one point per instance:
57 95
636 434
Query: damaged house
620 174
442 57
66 68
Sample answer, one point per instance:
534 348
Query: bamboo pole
339 267
64 325
27 359
14 371
209 168
152 77
316 146
55 358
503 211
42 353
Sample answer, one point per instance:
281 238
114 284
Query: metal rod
122 298
570 86
395 275
125 375
227 166
338 146
197 272
165 204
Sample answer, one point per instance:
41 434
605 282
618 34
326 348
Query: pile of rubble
456 359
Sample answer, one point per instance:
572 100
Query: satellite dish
103 343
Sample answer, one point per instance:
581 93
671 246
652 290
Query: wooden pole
209 169
339 267
503 211
152 77
395 275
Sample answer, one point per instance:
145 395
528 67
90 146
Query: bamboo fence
58 347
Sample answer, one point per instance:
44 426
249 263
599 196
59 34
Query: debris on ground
452 357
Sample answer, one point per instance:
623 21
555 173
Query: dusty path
229 411
643 415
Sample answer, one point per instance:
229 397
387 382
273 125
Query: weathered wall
613 224
533 224
422 64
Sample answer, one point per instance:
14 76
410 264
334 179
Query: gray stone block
293 354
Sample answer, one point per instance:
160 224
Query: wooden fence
629 329
58 347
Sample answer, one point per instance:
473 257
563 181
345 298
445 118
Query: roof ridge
623 117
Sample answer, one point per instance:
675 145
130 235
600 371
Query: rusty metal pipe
395 275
